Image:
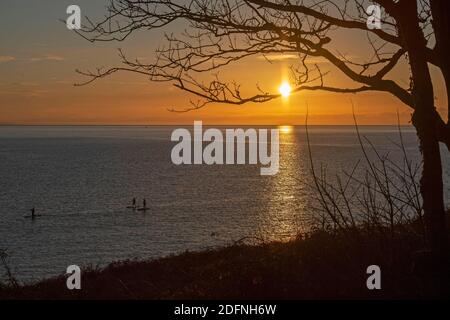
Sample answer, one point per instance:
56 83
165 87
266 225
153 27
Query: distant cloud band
6 59
47 57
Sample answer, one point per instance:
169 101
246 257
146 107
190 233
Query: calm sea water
80 179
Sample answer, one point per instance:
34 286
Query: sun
285 89
285 129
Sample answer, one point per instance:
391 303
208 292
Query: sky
39 56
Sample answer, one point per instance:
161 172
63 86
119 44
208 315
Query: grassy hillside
323 265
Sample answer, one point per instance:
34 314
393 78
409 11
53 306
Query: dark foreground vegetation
321 266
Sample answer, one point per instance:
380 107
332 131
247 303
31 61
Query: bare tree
380 200
224 32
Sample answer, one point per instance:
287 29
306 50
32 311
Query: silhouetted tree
223 32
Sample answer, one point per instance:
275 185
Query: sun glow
285 89
285 129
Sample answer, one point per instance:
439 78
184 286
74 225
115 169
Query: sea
81 179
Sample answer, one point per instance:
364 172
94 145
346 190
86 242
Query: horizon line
186 124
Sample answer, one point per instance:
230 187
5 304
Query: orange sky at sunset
37 72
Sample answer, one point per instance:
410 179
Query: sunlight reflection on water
82 178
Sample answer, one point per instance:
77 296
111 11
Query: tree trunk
440 10
431 183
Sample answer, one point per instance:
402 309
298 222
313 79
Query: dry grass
322 266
